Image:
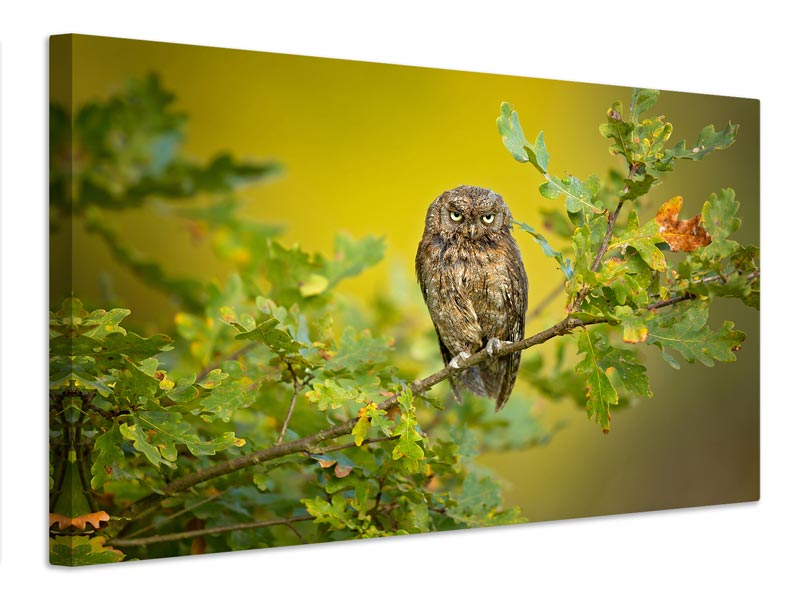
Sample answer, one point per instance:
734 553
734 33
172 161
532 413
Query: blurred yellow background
366 147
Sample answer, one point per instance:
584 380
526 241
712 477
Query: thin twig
690 296
295 531
374 509
180 512
296 385
607 238
724 278
352 444
612 220
184 535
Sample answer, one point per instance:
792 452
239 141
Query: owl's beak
472 231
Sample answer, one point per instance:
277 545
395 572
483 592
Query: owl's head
469 212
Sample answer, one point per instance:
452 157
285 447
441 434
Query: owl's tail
492 379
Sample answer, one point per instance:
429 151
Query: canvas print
299 300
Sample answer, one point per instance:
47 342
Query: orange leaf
79 522
681 235
342 470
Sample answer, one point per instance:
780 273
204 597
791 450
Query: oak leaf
682 235
80 521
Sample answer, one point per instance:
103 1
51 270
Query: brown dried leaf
681 235
199 545
79 522
342 470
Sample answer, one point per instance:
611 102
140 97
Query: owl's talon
457 361
493 345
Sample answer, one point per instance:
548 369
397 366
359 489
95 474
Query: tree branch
612 220
310 444
183 535
183 511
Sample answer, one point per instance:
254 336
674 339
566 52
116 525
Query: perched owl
473 281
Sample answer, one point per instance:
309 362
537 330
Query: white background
731 49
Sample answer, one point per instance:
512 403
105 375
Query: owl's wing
422 253
516 305
447 356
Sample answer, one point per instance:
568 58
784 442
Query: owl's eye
456 216
487 218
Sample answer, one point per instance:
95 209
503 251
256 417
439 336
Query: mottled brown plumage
474 284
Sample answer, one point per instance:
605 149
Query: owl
474 284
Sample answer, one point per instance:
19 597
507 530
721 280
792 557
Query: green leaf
213 379
235 391
518 426
406 445
548 251
271 334
378 418
108 457
619 131
514 140
642 239
314 285
105 322
636 188
352 256
111 346
600 361
359 351
538 154
156 434
406 448
709 140
746 260
643 100
720 221
79 550
735 285
600 393
329 394
683 329
288 269
634 324
334 513
627 278
419 517
479 503
579 196
141 443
